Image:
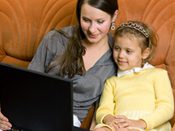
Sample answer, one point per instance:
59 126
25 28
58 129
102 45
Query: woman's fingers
2 117
5 125
4 122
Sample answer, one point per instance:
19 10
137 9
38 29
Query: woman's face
95 23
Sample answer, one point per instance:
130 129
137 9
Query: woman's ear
146 53
114 17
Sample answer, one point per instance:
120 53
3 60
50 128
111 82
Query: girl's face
127 53
94 23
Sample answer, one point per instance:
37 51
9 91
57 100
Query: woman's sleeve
47 50
164 101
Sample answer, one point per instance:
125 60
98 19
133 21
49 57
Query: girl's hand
124 122
4 123
111 121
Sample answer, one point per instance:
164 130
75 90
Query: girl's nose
121 54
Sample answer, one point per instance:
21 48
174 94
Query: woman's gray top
87 88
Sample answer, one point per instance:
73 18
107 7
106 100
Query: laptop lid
35 101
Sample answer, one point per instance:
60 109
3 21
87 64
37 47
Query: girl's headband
135 26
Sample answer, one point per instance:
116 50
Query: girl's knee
102 129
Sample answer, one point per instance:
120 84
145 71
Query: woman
81 53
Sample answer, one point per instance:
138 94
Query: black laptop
35 101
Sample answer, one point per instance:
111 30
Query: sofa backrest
160 14
23 23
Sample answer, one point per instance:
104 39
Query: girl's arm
107 103
164 104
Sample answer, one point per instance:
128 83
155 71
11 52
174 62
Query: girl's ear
114 17
146 53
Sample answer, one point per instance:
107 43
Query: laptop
35 101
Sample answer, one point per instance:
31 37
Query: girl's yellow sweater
143 95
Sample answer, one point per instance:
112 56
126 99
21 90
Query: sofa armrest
173 129
88 119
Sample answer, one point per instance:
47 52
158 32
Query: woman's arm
51 45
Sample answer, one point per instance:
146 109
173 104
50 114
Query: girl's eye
129 51
116 48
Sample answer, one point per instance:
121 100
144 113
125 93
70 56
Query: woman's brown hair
71 62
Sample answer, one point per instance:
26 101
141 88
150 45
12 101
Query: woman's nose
92 27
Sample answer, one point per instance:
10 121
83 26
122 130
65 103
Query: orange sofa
23 23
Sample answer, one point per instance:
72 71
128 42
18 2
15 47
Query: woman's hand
4 123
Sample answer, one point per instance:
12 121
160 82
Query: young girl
140 96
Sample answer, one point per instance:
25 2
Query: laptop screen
35 101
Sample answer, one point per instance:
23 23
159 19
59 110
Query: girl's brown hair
139 30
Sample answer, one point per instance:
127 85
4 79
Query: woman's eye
100 21
86 20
